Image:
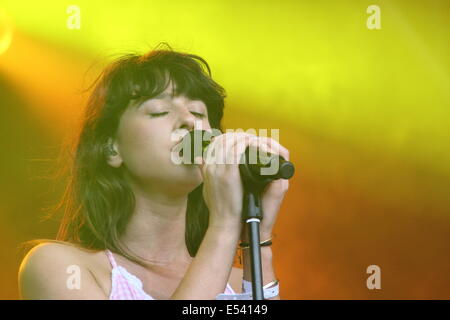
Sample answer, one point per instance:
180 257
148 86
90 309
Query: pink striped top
126 286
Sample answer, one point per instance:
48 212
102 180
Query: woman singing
138 226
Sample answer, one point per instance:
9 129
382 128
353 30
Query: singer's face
144 141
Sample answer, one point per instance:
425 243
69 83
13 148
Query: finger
210 152
244 142
237 149
220 152
272 146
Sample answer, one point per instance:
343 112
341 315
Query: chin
189 178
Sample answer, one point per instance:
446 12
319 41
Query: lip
178 143
180 140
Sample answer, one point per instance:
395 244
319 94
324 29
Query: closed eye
160 114
201 115
155 115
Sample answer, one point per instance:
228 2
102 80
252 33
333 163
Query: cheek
138 141
133 134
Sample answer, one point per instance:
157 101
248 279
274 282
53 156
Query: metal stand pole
252 216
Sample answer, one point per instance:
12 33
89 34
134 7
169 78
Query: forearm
268 272
208 274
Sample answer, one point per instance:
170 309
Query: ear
112 154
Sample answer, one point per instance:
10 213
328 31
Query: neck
156 230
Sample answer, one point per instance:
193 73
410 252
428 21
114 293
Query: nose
186 120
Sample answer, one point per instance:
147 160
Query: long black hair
98 202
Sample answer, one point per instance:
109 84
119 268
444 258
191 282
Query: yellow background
365 114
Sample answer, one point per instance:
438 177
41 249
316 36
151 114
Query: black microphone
263 167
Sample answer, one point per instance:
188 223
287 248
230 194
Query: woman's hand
223 189
273 194
222 185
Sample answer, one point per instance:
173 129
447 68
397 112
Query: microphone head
286 170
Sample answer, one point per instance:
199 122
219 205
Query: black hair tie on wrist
265 243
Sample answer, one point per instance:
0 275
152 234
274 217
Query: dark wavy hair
98 202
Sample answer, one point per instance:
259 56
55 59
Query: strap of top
111 258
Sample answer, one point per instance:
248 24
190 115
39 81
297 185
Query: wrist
225 228
263 235
226 225
266 253
220 238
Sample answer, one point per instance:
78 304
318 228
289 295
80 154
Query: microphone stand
252 212
252 215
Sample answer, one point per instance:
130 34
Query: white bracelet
270 290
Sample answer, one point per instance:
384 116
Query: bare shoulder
57 271
50 254
235 281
